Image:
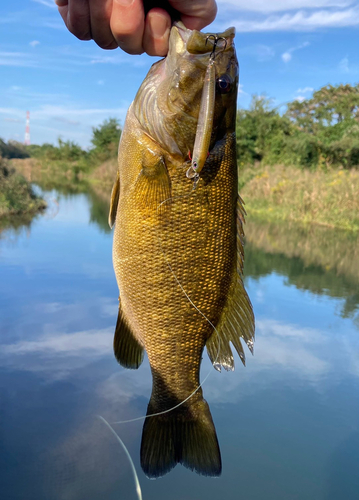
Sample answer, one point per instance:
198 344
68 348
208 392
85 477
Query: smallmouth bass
178 243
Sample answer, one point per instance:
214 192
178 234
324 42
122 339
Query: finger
78 19
128 24
63 10
157 31
195 15
100 15
61 3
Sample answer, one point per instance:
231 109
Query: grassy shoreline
17 197
325 197
303 196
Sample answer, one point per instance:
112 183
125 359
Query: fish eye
224 84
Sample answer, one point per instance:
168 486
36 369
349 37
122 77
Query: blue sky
286 48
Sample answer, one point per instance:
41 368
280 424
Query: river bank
325 197
17 197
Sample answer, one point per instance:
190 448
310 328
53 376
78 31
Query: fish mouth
197 42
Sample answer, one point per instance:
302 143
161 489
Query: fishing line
197 309
137 483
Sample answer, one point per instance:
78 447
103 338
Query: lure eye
224 84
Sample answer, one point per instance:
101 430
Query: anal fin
128 352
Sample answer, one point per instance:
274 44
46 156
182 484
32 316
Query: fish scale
178 249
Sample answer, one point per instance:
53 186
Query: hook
216 39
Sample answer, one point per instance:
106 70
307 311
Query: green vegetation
16 194
300 164
68 160
105 140
322 131
279 193
13 149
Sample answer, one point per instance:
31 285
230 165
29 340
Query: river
287 423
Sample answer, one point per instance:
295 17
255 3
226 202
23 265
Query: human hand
123 23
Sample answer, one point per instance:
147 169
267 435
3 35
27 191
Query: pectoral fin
237 319
153 185
128 351
115 194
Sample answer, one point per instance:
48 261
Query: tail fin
185 435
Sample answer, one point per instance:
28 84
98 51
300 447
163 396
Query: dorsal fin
128 351
237 319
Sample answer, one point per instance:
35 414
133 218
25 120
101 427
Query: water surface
288 423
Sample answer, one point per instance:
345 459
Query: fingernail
159 26
125 3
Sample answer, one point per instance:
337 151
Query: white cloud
241 91
59 25
305 90
300 98
48 3
62 119
43 109
287 56
17 59
73 113
50 121
259 51
13 120
281 5
34 43
344 65
301 21
117 57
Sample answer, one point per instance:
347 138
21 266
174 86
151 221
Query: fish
178 249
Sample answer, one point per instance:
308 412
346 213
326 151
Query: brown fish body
177 250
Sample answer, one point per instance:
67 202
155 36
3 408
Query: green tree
12 149
105 138
328 106
69 150
261 132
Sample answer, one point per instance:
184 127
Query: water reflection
317 259
287 423
14 226
54 191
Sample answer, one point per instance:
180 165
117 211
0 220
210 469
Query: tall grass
329 197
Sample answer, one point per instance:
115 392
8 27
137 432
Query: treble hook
216 39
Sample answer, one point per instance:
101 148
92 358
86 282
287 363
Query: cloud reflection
282 352
85 344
